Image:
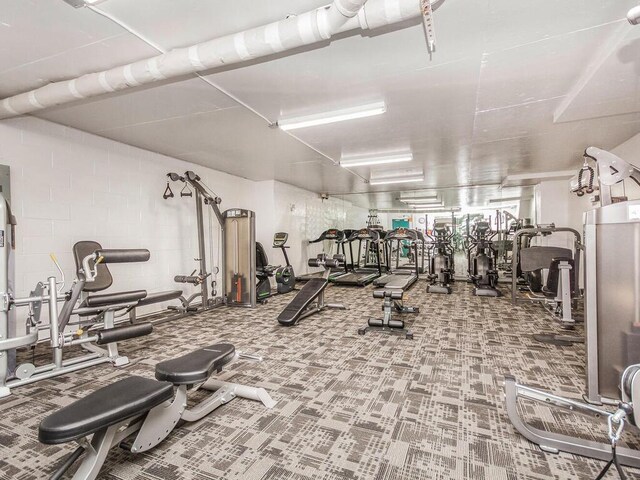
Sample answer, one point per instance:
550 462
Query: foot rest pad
197 366
115 403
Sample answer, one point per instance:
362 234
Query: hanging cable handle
188 193
168 193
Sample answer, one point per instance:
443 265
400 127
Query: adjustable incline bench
138 413
392 301
310 299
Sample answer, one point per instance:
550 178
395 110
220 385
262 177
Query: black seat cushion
197 366
122 400
115 298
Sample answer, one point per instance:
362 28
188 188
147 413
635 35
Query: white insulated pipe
294 32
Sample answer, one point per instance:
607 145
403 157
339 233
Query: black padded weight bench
310 299
138 413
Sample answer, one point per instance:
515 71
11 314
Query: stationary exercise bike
441 260
285 276
481 260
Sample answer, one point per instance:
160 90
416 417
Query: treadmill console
280 239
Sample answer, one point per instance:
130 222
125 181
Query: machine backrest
553 279
261 256
539 258
103 278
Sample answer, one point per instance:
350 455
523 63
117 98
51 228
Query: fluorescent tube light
408 198
388 180
360 162
418 205
441 210
409 201
362 111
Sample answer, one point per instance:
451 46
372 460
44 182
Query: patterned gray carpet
349 407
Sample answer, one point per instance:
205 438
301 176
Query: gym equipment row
95 330
612 234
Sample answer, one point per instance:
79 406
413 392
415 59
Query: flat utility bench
138 413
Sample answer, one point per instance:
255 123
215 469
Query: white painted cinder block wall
67 185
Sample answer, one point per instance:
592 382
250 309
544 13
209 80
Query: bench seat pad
115 403
197 366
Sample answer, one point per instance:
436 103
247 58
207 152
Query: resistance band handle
124 255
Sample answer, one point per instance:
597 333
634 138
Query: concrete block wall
67 185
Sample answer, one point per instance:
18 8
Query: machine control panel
280 239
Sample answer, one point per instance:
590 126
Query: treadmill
333 235
361 275
402 276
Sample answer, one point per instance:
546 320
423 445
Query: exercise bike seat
115 403
197 366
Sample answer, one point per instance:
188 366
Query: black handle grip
193 279
124 256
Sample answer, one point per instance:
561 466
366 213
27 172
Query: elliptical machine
481 260
441 270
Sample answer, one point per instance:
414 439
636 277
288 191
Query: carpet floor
374 407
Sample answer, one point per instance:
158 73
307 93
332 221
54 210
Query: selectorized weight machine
236 248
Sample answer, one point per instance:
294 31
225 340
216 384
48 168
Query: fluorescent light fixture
410 201
503 200
362 161
361 111
83 3
388 180
418 205
441 210
409 198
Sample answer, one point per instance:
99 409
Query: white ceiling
481 108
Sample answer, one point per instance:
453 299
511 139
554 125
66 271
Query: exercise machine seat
159 297
540 257
103 278
262 261
197 366
301 301
115 403
115 298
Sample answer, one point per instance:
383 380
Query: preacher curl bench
138 413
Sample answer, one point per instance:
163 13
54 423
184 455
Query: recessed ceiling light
362 161
361 111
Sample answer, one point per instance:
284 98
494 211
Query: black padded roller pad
124 255
159 297
114 298
195 367
118 334
307 294
125 399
